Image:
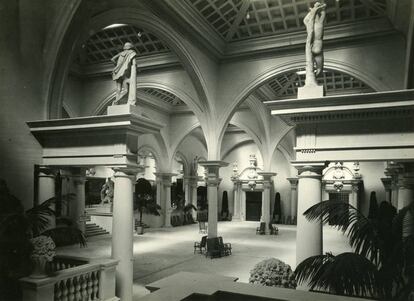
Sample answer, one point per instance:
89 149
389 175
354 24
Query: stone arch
184 161
187 99
133 16
273 71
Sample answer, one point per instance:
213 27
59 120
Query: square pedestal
310 92
123 109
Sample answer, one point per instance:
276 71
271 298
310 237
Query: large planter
39 267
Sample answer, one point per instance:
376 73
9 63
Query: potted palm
382 265
145 202
17 227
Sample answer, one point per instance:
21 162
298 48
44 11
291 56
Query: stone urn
39 267
43 252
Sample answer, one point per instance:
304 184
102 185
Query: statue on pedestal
125 74
107 192
314 22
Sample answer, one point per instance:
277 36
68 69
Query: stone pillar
267 185
242 205
236 200
165 195
405 190
79 208
159 190
387 182
308 234
213 181
122 232
353 197
193 186
46 190
187 192
293 198
168 209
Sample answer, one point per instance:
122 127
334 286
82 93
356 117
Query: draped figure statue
125 74
314 22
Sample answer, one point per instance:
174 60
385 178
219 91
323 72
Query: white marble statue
314 22
125 74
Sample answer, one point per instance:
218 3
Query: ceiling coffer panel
106 43
245 19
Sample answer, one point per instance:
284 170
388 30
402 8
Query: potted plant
381 265
144 202
17 228
43 252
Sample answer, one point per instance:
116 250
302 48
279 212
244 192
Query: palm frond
63 236
345 274
362 233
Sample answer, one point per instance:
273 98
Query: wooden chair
202 228
213 248
262 229
225 248
273 229
200 245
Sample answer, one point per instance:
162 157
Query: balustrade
73 279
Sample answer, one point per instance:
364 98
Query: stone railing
82 279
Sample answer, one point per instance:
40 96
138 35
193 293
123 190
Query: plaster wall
73 97
22 34
282 167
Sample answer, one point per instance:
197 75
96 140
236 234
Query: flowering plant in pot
43 252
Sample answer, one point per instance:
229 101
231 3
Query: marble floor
164 251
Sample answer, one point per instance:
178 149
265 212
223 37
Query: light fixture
139 34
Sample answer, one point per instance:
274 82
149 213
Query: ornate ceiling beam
240 16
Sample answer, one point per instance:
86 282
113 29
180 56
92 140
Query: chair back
263 227
203 241
220 241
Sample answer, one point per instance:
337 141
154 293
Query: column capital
124 173
309 169
293 182
387 182
46 171
213 167
164 176
267 175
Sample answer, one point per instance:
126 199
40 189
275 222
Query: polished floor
162 252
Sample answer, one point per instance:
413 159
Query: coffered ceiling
246 19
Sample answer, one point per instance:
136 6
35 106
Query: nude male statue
124 74
314 22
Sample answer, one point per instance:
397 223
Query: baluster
77 282
82 288
71 289
90 284
58 291
96 285
65 290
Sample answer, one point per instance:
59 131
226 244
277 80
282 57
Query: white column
236 201
46 190
267 185
213 181
159 190
293 198
187 193
242 205
308 233
194 197
167 190
388 188
353 197
405 190
122 232
79 208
